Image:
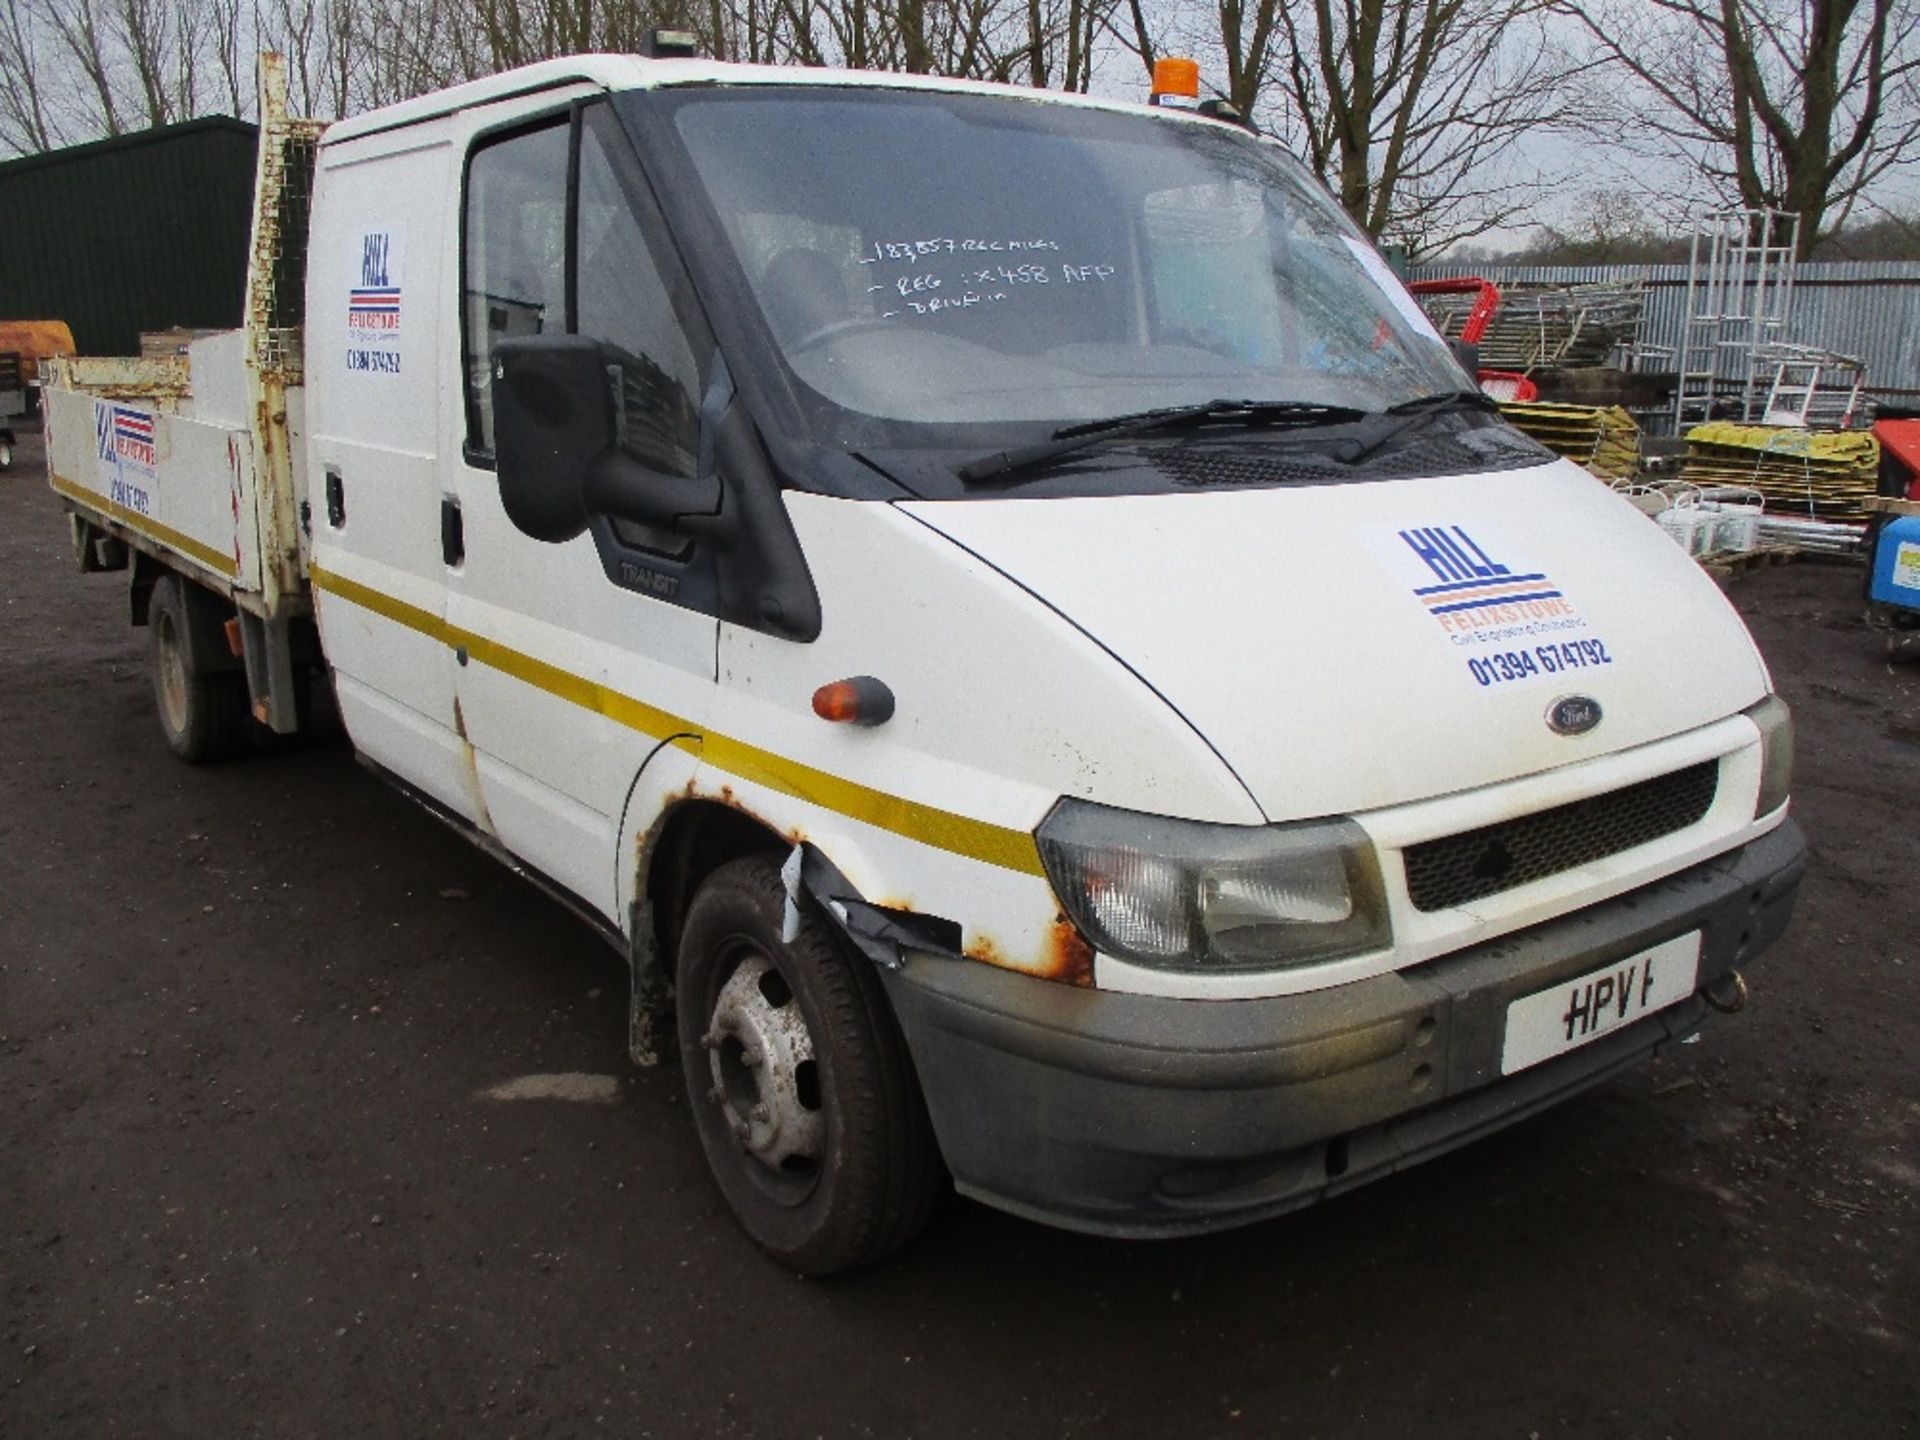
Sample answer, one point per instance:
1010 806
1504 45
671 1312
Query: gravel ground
270 1162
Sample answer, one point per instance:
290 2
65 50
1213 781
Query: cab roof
634 72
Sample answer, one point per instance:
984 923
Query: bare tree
26 122
1415 111
1049 43
229 36
157 42
1800 105
1061 39
1403 104
82 29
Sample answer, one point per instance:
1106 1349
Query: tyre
799 1080
204 715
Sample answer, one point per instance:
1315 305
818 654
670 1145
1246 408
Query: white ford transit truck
997 603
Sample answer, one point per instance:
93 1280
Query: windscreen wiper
1070 438
1396 420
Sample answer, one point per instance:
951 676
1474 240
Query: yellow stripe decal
223 565
942 829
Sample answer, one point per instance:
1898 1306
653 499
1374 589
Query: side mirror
1467 354
556 444
552 418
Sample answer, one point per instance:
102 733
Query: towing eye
1728 994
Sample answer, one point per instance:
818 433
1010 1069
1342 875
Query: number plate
1551 1022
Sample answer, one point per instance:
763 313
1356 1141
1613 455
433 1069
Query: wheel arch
693 837
693 833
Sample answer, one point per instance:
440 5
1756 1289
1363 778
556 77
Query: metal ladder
1740 274
1790 396
1812 387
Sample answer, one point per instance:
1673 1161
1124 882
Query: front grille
1460 868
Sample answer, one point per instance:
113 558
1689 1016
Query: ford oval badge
1573 715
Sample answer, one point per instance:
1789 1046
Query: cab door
376 290
583 657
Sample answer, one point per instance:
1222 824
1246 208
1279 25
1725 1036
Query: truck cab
1002 607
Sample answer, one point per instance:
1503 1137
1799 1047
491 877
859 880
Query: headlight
1776 753
1181 894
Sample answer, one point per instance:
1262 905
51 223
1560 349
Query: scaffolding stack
1604 439
1810 475
1545 326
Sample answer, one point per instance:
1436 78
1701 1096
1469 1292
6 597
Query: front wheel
799 1080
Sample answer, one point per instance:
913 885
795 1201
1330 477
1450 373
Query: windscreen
929 258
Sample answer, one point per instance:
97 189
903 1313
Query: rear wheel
203 714
799 1080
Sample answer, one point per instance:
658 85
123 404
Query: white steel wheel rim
764 1077
172 673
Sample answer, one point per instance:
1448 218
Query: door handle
453 538
336 499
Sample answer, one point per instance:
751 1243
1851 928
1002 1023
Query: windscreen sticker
124 440
373 305
1393 288
1509 622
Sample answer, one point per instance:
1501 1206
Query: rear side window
515 266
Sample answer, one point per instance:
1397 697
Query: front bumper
1138 1116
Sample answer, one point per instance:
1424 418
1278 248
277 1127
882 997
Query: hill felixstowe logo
374 304
1476 591
376 308
124 434
1510 623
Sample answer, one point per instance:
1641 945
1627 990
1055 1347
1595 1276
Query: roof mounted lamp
660 44
1176 82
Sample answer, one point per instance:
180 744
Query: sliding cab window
515 265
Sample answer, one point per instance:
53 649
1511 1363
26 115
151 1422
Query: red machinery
1503 385
1899 457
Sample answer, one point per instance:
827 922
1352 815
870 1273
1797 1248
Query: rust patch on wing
1068 958
1069 955
724 796
987 953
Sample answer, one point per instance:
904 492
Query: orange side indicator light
860 700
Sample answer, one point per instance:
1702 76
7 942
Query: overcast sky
1573 165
